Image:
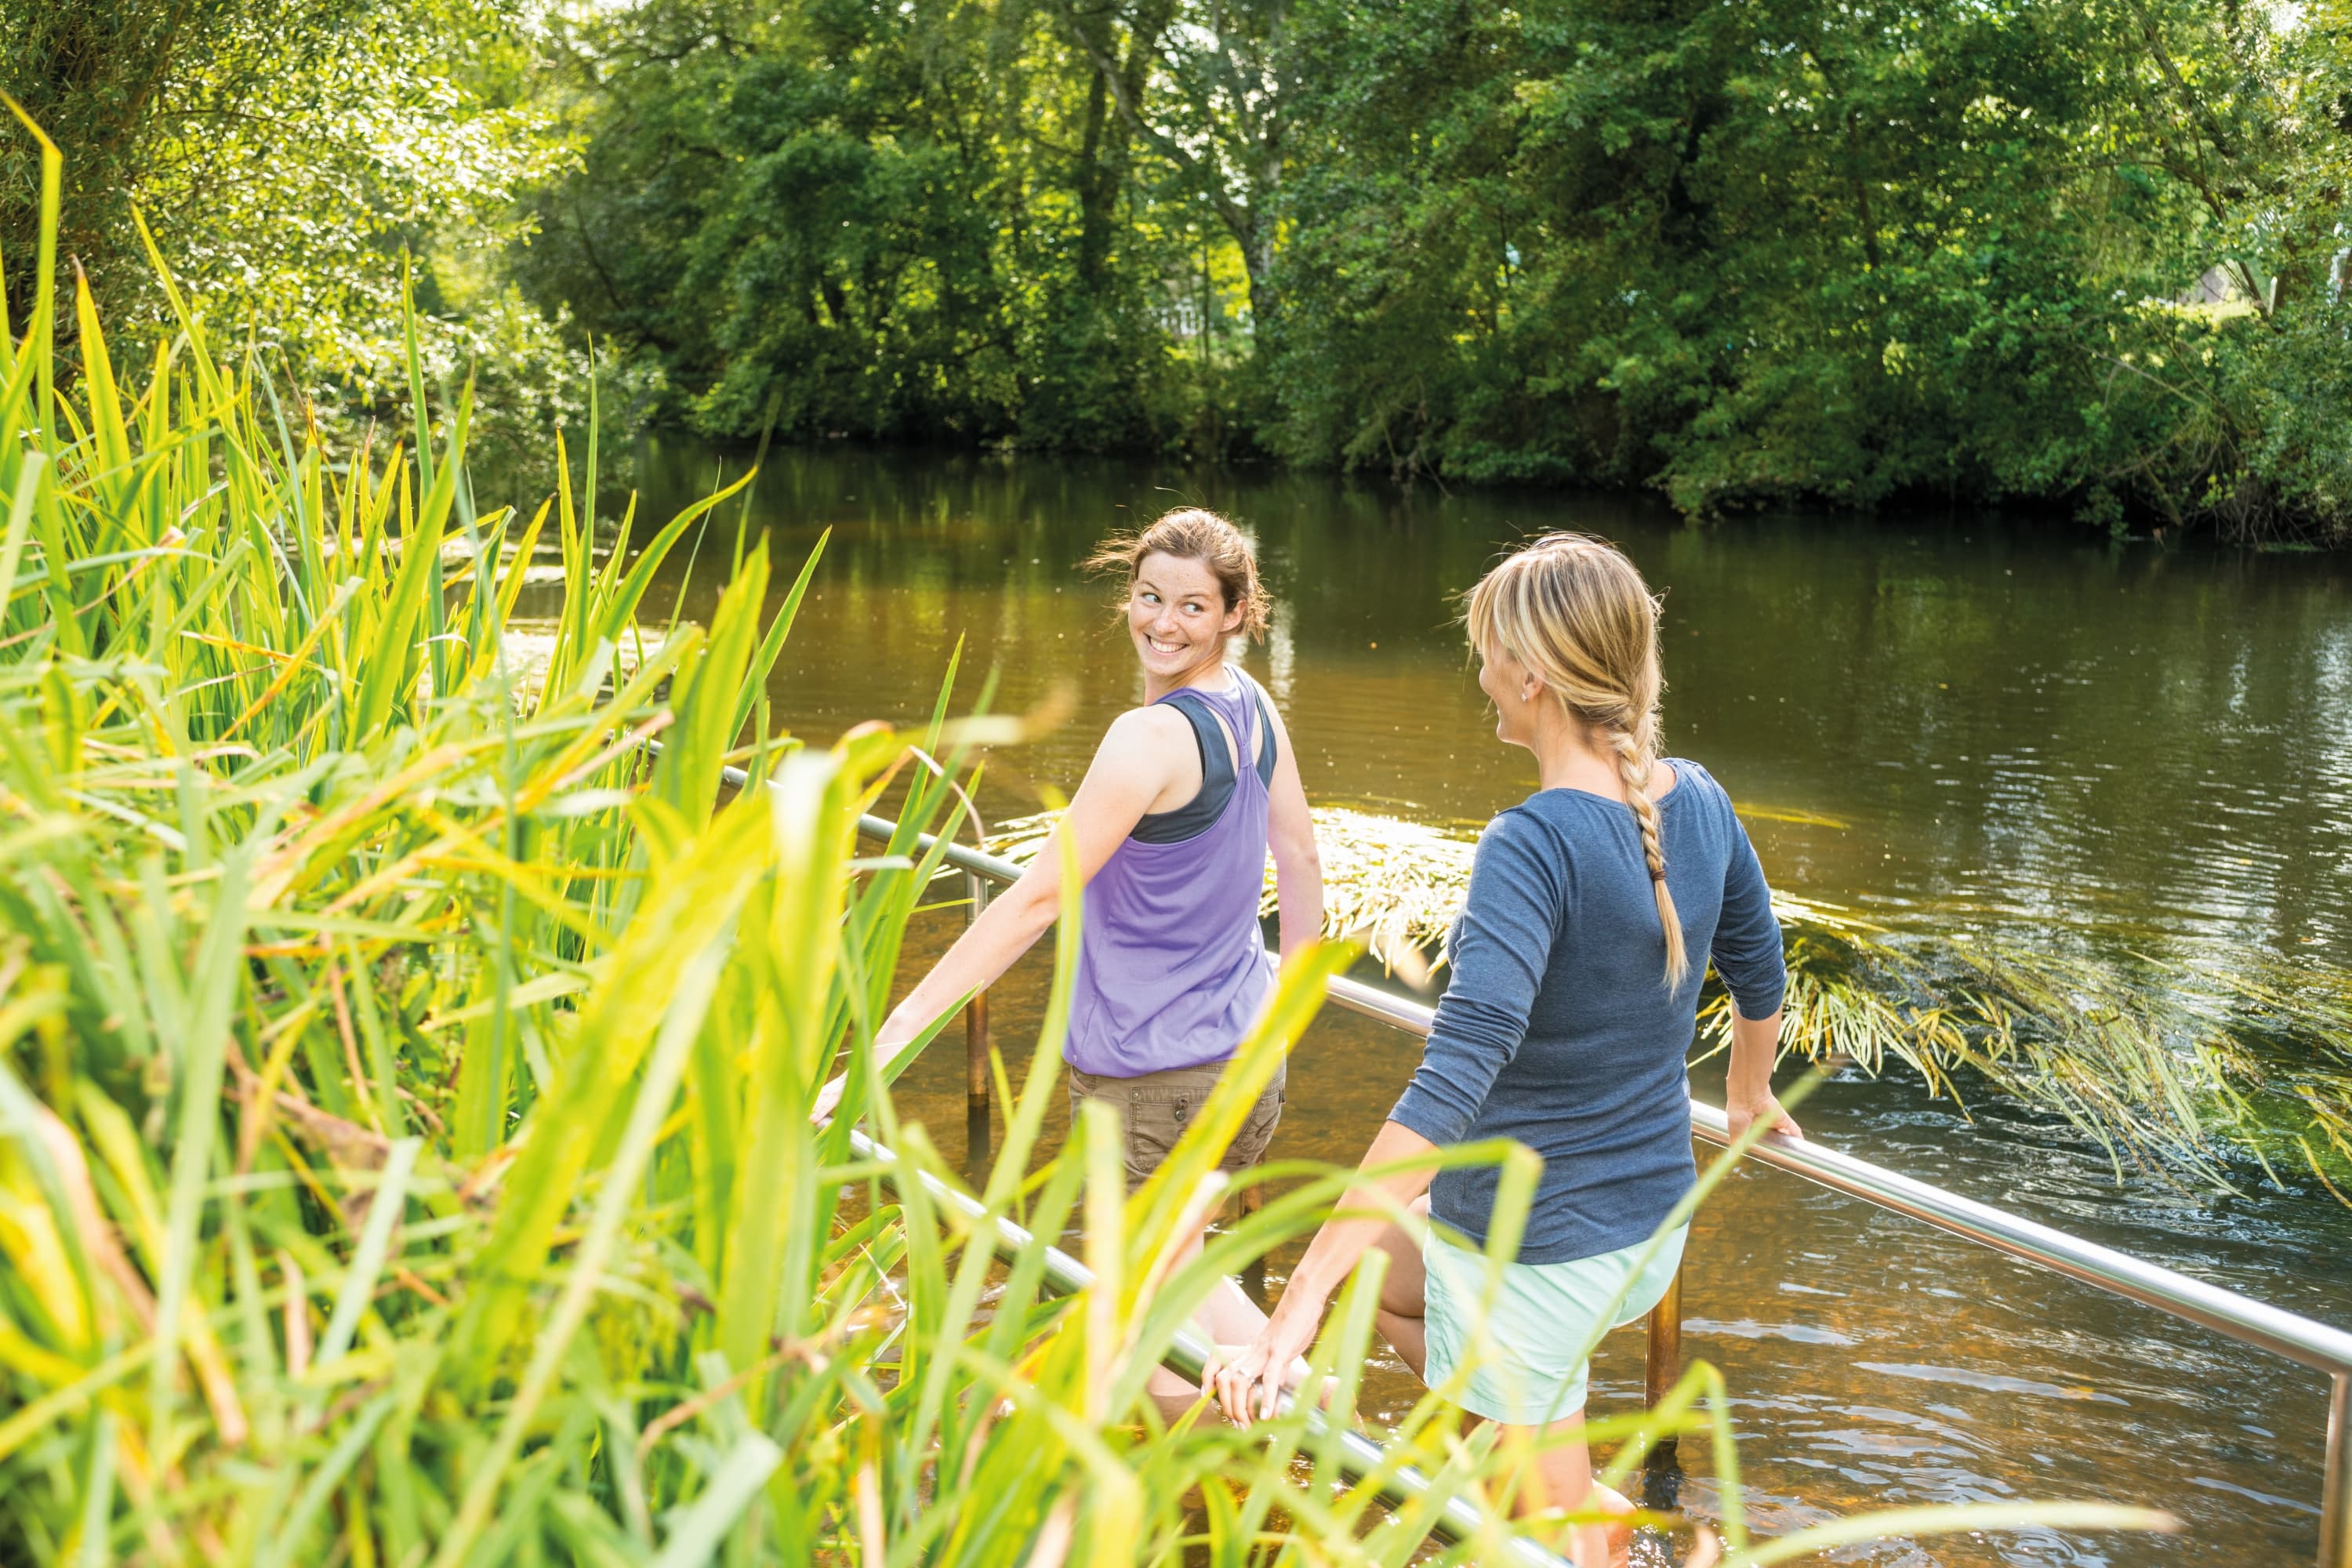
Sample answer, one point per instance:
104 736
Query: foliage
910 221
2210 1072
1779 247
285 155
443 1061
405 1072
2091 254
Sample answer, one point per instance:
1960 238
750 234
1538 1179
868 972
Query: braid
1575 612
1634 766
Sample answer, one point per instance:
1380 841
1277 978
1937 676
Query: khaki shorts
1158 1109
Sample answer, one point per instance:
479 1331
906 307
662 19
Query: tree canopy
2086 253
1783 248
286 156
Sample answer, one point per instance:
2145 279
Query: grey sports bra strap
1199 814
1211 733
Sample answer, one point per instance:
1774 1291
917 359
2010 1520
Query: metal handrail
1359 1457
1458 1520
2314 1344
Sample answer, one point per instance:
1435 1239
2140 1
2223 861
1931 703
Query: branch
1238 219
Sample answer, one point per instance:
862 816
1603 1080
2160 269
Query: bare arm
1747 1087
1290 833
1748 957
1249 1386
1132 767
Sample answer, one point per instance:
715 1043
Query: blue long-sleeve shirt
1556 1027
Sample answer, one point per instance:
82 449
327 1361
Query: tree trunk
1097 181
1255 236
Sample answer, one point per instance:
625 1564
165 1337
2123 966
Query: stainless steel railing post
2335 1521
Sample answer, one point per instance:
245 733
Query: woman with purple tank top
1170 830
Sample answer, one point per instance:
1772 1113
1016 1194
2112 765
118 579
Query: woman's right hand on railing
1748 1095
894 1038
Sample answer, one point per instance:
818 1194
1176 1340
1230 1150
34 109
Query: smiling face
1177 616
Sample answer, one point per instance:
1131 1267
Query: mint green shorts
1531 1369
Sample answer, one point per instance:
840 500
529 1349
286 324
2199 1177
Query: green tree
1785 248
1206 86
910 221
283 154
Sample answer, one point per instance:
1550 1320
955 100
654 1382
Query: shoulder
1523 859
1689 775
1256 689
1146 737
1698 790
1264 698
1285 753
1529 830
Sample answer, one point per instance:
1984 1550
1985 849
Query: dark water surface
2084 745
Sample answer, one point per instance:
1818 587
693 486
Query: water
2092 747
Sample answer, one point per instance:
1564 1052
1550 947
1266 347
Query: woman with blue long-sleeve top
1566 1024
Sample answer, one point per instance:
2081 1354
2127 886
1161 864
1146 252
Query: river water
2092 747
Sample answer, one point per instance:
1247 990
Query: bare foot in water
1618 1532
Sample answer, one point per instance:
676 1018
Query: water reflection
2085 744
2023 726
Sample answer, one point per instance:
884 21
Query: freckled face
1176 614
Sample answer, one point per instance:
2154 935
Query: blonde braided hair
1575 612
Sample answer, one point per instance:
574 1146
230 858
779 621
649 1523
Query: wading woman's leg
1562 1479
1227 1318
1404 1293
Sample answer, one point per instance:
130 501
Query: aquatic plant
2198 1067
406 1071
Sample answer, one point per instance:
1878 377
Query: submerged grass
2190 1070
406 1071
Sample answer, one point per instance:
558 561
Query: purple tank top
1172 967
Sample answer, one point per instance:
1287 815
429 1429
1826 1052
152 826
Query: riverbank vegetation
307 168
2088 257
405 1068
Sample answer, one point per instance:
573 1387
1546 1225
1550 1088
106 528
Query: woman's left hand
1249 1386
1741 1115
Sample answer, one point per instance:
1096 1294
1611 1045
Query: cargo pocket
1250 1143
1153 1126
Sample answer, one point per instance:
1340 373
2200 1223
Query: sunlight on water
1933 722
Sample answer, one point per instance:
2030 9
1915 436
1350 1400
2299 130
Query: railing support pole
975 1015
2336 1498
1664 1366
